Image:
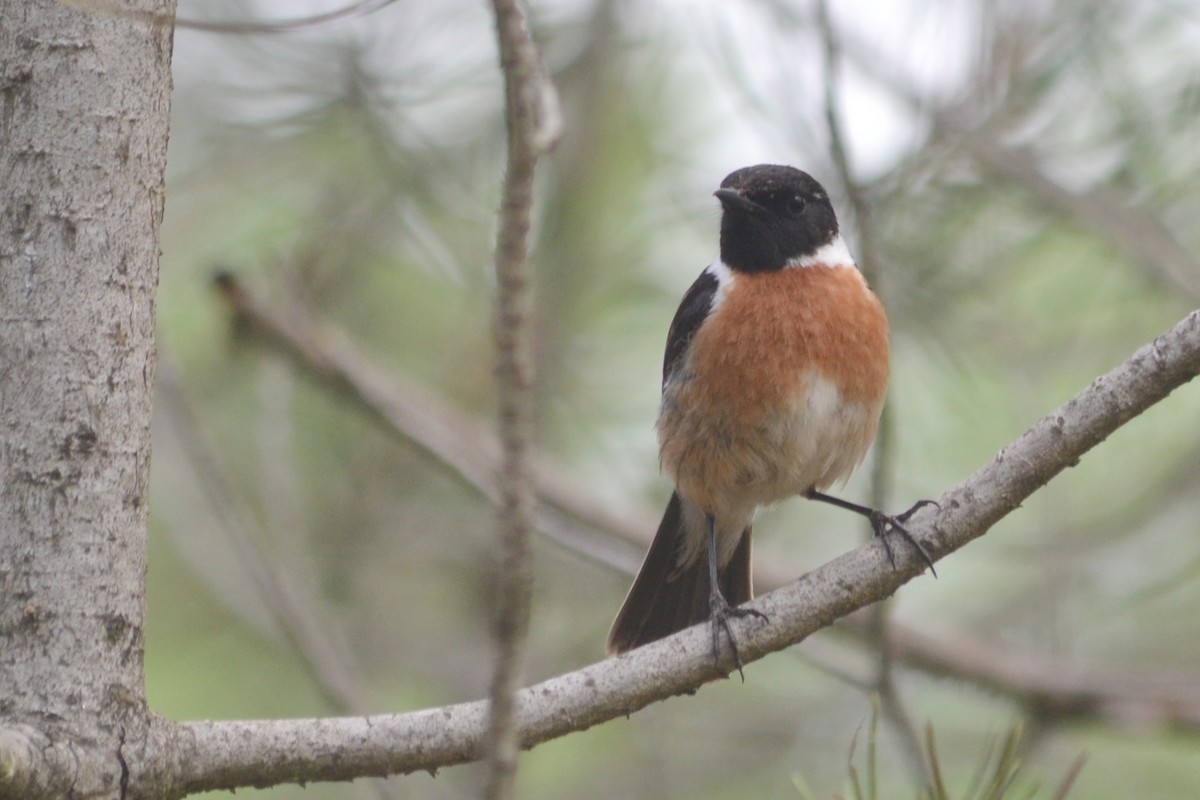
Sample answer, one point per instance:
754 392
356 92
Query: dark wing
692 312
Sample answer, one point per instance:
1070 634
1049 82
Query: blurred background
1025 176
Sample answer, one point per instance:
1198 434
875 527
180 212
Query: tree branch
359 8
469 452
868 256
528 99
226 755
1048 686
303 628
869 261
1103 212
1137 234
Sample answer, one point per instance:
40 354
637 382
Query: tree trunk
84 102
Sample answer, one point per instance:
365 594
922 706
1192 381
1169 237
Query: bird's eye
795 204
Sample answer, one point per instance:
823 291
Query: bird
774 378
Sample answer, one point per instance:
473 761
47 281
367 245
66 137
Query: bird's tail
668 596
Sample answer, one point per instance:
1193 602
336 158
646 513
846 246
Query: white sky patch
765 67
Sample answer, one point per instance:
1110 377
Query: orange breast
782 388
772 327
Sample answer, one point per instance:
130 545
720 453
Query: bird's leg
881 523
718 607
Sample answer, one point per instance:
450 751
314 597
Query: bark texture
528 100
84 99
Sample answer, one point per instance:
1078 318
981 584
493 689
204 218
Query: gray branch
225 755
532 128
575 520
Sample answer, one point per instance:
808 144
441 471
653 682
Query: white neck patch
834 254
724 275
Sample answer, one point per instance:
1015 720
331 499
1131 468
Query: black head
773 214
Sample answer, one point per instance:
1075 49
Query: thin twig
305 630
467 451
359 8
299 623
1103 212
527 90
1127 227
868 255
869 260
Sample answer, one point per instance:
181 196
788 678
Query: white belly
729 467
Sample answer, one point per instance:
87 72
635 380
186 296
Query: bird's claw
883 523
720 613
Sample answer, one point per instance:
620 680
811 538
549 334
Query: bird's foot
720 612
883 523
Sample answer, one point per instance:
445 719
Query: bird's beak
733 200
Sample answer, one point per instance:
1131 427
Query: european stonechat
774 378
